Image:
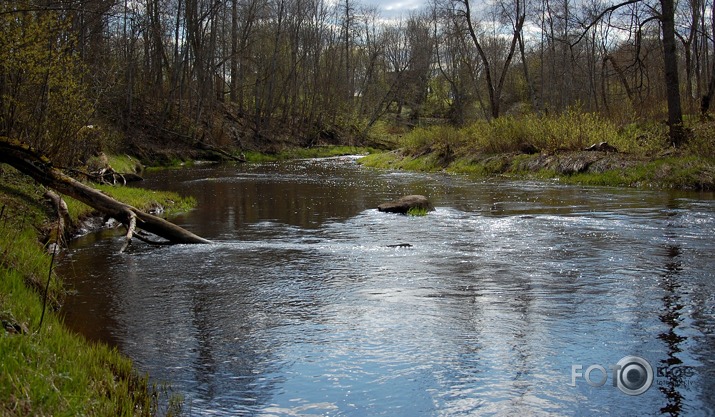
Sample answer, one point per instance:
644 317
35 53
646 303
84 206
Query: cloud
396 8
403 5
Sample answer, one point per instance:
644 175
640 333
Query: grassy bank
47 369
303 153
554 147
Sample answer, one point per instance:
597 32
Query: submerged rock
404 204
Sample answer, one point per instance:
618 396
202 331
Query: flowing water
514 298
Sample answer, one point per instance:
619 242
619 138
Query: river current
513 298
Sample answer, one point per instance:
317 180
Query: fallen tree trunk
29 162
64 221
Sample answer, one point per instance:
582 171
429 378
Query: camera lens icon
634 376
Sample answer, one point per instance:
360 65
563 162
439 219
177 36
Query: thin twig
49 277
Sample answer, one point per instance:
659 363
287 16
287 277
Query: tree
494 73
677 132
43 98
678 135
458 64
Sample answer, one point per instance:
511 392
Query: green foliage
443 141
304 153
43 99
437 105
702 142
49 370
417 211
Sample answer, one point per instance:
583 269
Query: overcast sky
395 8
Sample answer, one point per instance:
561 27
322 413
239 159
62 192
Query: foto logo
632 375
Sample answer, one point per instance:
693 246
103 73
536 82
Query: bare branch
600 16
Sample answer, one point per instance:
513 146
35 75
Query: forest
78 76
516 85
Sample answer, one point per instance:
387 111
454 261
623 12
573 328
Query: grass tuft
417 211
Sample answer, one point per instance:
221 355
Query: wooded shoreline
172 82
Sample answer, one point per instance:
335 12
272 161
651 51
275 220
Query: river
514 298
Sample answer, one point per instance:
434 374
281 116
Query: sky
395 8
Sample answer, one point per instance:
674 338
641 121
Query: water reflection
303 308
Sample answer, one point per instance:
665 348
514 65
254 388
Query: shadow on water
674 373
302 307
671 317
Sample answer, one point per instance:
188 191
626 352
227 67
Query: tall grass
543 147
571 130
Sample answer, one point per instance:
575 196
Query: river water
514 298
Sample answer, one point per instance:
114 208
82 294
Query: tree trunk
672 87
707 98
29 162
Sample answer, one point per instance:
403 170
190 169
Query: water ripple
483 309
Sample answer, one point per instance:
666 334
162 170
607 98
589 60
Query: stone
404 204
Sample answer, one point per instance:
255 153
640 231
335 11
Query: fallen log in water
30 162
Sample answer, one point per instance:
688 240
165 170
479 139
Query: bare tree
495 72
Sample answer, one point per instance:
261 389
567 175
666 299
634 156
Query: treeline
238 72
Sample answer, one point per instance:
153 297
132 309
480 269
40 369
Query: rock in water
602 147
404 204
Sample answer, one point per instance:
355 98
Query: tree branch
600 16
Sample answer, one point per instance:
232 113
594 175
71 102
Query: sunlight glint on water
300 307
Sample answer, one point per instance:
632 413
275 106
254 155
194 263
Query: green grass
685 172
49 370
417 211
143 199
383 160
538 147
125 164
304 153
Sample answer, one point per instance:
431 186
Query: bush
44 98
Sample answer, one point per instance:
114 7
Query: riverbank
573 149
685 172
46 368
